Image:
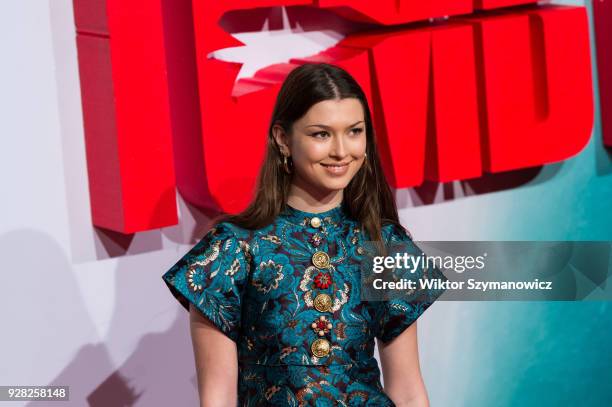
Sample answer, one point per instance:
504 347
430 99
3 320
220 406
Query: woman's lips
336 169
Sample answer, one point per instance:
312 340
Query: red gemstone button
322 280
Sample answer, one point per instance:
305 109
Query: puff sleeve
212 276
399 312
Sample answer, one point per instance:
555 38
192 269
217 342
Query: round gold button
320 347
315 222
323 303
320 260
360 250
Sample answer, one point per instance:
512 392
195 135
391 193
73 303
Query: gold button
315 222
360 250
320 260
320 348
323 303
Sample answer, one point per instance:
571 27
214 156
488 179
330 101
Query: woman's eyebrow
328 127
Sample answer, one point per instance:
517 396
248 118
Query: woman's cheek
359 146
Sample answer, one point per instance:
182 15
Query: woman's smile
337 168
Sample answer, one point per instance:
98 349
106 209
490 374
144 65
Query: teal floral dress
288 294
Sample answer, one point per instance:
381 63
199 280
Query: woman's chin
334 184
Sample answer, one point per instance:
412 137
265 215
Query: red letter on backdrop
536 70
126 114
453 151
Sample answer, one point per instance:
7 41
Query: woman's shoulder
394 231
228 229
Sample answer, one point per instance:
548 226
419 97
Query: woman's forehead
334 112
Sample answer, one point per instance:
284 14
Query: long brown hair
367 198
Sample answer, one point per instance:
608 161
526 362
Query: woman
274 292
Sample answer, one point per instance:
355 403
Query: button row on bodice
321 347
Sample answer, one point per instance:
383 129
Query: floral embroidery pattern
194 278
271 273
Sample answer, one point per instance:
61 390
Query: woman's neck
304 200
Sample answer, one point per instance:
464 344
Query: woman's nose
338 146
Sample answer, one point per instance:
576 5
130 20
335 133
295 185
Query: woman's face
328 144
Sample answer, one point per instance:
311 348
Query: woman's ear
281 139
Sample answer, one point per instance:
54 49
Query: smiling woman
274 291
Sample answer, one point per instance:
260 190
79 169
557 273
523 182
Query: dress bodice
289 295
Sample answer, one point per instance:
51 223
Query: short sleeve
398 313
212 276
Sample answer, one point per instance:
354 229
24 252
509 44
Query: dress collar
332 217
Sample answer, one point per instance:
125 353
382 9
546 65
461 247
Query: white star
266 47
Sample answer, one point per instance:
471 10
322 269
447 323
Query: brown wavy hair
367 198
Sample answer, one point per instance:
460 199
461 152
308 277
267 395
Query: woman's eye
357 130
320 134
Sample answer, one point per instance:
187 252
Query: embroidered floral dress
289 296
